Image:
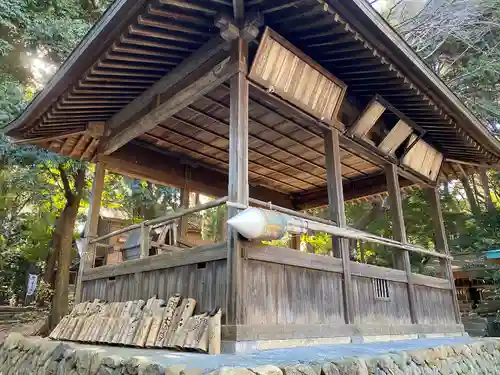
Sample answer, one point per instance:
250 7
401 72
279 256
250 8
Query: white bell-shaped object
256 223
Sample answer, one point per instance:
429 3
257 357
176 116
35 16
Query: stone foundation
35 356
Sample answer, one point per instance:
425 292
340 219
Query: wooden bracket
229 29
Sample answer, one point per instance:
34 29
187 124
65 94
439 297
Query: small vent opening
201 265
381 290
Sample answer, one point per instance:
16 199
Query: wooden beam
181 72
140 162
238 189
442 243
399 234
183 228
336 212
216 75
46 139
88 252
239 10
355 189
199 254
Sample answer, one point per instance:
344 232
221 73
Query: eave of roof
357 12
375 29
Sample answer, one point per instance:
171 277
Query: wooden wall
199 273
283 286
207 285
367 309
434 306
285 294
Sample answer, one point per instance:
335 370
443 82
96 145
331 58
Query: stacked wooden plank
154 323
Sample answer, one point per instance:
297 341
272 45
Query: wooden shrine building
298 103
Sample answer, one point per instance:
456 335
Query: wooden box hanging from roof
283 69
423 158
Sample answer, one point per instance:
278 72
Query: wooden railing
146 226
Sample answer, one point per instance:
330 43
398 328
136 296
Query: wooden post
399 233
487 193
183 227
238 171
337 214
442 243
88 252
145 242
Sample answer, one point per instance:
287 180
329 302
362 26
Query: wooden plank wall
434 306
369 310
206 285
284 294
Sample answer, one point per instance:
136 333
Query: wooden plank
285 70
370 309
436 167
336 212
367 119
255 332
432 282
47 139
368 270
442 244
395 138
290 257
238 188
88 251
435 305
205 253
218 73
145 241
399 233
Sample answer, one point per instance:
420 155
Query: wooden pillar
336 213
145 241
89 250
183 227
402 257
487 193
442 243
238 172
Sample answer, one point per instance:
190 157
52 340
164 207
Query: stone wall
35 356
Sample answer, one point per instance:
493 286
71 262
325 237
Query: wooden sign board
283 69
423 158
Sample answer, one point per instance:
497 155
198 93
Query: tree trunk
474 207
487 193
62 243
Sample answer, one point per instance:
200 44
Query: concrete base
251 340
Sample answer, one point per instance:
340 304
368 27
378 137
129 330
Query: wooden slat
285 70
376 272
432 282
290 257
367 119
395 138
198 254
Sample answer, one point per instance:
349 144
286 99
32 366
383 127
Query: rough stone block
270 370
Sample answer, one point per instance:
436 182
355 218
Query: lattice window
381 290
